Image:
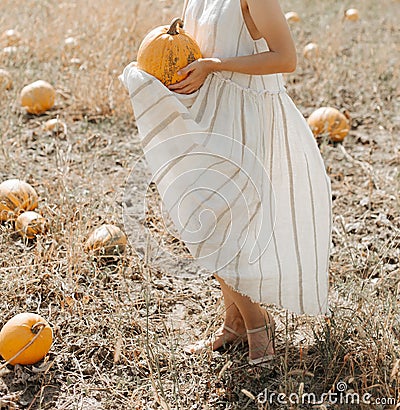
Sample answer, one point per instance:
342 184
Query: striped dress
238 169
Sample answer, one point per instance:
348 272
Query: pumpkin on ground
29 331
330 121
29 224
107 240
292 17
38 97
5 80
311 50
10 37
55 125
167 49
351 14
16 196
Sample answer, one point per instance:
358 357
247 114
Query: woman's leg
254 316
232 320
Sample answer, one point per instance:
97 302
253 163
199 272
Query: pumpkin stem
34 328
173 29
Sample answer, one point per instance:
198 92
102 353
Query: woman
237 90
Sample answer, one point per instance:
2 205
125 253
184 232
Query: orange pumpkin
38 97
165 50
107 240
16 196
29 224
27 333
330 121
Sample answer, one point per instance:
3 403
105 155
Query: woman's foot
262 341
224 336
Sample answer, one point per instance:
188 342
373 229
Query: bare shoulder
267 17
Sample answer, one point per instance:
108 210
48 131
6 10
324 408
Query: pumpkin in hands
165 50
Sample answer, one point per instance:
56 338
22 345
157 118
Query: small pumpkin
167 49
292 17
311 50
16 196
351 14
329 120
71 44
5 80
25 330
106 240
29 224
55 126
38 97
10 37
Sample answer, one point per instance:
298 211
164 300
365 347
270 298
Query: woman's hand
196 72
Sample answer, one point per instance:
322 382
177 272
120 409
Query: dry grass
119 328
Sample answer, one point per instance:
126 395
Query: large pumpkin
107 240
27 333
29 224
165 50
38 97
330 121
16 196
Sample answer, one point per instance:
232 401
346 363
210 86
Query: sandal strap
259 329
230 330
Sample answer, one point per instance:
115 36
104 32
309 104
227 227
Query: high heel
270 329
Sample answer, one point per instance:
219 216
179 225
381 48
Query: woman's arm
270 22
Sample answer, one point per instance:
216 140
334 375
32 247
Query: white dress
238 169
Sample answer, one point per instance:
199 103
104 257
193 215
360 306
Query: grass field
119 328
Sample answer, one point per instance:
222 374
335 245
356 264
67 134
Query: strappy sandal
205 344
270 329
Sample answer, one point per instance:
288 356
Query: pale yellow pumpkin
16 196
292 17
165 50
10 37
5 80
107 240
351 14
71 44
38 97
329 121
311 50
55 126
29 224
27 333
